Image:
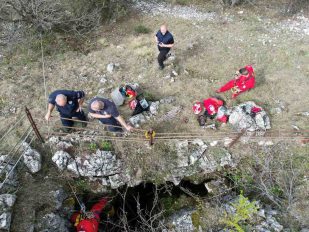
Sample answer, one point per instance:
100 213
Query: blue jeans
113 122
80 115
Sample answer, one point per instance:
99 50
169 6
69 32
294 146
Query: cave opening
134 207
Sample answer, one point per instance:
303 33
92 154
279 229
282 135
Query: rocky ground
210 45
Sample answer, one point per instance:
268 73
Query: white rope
13 127
7 158
43 69
44 78
12 169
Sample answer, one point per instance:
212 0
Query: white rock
7 201
154 106
213 143
110 67
63 145
5 220
31 158
227 141
137 119
61 158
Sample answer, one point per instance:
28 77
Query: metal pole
36 131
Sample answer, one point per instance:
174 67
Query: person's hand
79 109
129 128
161 45
47 116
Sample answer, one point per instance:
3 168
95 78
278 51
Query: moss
173 204
195 217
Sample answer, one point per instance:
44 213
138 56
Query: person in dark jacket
69 105
165 41
106 112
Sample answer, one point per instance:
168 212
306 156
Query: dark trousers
162 57
206 114
80 115
113 122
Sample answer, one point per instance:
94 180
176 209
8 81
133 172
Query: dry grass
219 48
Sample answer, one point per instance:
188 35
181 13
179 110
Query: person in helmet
89 221
244 80
214 109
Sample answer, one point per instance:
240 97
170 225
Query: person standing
106 112
165 41
69 105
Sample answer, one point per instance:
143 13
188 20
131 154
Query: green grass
106 146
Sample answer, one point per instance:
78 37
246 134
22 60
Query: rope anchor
150 134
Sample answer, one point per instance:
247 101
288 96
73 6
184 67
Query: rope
18 143
13 127
111 138
93 123
10 172
43 70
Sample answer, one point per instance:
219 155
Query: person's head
61 100
163 29
243 71
97 105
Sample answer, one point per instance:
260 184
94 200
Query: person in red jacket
212 106
89 221
214 109
244 80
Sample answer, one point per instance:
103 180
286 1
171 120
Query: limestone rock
138 119
5 220
6 203
61 158
110 67
167 100
51 222
181 221
244 117
58 196
31 158
11 180
154 106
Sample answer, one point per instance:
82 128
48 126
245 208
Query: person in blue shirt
165 41
106 112
69 105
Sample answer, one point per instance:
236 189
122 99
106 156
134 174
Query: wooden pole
36 131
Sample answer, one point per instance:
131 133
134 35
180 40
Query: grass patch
106 146
141 29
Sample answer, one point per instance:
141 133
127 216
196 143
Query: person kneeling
214 109
106 112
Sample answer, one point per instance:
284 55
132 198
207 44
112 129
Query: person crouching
106 112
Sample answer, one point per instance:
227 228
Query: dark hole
127 200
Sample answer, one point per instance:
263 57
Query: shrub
106 146
141 29
244 209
